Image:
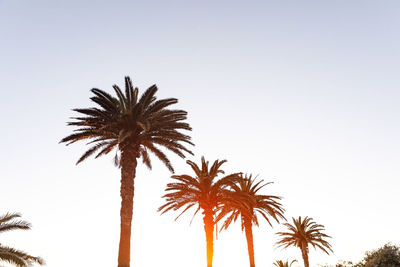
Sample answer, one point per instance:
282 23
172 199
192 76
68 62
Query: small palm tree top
143 124
202 189
303 232
280 263
251 203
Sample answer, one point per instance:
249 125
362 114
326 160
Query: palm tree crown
301 234
203 190
246 189
127 121
280 263
9 222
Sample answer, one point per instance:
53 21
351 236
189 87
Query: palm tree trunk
249 237
128 172
209 229
305 257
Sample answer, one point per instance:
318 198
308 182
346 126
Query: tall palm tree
135 127
246 189
301 234
203 190
280 263
9 222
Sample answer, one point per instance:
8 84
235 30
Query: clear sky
304 93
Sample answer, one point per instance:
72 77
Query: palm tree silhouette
280 263
246 190
203 190
135 127
9 222
301 234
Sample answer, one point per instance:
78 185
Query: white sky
303 93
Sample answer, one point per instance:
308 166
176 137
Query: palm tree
203 190
280 263
246 190
9 222
135 127
301 234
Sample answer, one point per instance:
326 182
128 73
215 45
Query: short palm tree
203 190
9 222
246 190
301 234
280 263
135 127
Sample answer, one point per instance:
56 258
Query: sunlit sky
303 93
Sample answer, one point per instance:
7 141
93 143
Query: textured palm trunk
209 229
249 237
128 171
305 256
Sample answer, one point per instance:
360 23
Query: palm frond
160 155
18 257
15 225
148 96
8 217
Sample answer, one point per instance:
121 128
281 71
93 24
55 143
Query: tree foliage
143 124
9 222
246 190
386 256
280 263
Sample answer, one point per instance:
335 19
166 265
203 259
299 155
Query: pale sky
303 93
